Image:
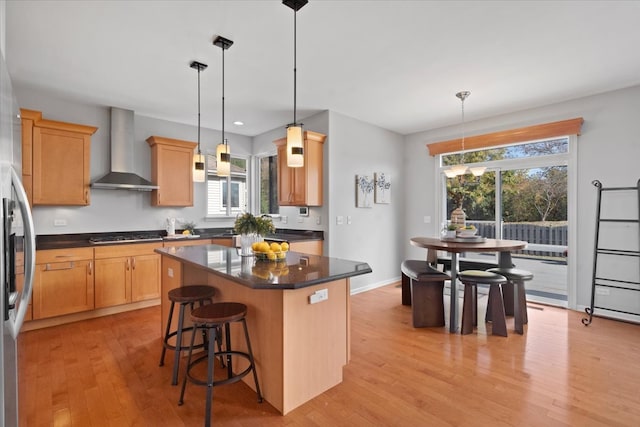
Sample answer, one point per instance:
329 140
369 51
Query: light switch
427 219
339 220
348 219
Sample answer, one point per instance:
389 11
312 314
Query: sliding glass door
521 196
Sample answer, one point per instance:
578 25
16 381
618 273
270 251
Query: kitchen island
298 313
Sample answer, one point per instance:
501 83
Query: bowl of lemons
274 251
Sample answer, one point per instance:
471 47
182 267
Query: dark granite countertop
79 240
295 271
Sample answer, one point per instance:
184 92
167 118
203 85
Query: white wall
608 150
375 234
121 210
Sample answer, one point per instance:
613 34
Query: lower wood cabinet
126 273
63 282
313 247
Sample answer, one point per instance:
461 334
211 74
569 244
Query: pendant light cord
223 141
199 111
295 70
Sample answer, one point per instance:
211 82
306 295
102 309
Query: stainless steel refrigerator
17 244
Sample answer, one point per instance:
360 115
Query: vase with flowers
252 229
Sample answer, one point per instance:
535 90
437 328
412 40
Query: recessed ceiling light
238 123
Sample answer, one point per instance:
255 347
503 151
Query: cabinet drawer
113 251
63 255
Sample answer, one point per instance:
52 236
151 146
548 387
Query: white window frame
230 212
569 159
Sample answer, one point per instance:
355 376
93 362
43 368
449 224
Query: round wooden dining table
459 245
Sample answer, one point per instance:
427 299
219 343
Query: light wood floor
104 372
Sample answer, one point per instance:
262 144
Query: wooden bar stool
470 279
514 295
185 296
425 285
211 318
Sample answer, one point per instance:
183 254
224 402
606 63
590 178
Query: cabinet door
113 281
145 277
285 178
172 171
61 162
62 288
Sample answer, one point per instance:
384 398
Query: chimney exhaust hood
121 176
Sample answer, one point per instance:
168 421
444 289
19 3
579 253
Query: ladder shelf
602 282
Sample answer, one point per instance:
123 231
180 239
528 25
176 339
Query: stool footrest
230 380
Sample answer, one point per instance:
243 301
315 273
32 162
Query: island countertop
296 271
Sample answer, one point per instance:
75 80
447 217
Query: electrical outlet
603 291
427 219
319 296
285 219
348 219
339 220
59 222
300 219
318 221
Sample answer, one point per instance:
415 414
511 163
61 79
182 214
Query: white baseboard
375 285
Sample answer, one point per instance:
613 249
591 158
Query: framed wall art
382 192
364 191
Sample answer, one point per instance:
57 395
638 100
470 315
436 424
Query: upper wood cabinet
301 186
56 158
171 171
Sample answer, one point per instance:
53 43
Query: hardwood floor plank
104 372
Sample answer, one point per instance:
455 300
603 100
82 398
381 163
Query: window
268 184
227 196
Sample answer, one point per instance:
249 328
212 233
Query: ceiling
396 64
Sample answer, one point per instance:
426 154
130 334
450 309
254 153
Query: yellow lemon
186 232
255 247
271 255
264 246
281 255
275 247
284 246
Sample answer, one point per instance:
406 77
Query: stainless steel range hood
122 176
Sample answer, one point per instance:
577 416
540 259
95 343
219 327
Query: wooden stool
470 279
184 295
514 295
211 318
425 285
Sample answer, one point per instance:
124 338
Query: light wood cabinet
313 247
171 171
126 273
56 158
223 241
301 186
63 282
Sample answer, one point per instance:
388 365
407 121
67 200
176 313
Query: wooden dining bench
423 289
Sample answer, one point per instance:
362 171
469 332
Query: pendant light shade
223 159
223 153
198 158
295 147
295 143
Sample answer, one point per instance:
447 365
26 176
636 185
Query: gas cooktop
125 238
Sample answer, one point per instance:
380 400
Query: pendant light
461 169
295 144
198 158
223 154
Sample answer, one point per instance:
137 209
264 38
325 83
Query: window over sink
227 196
